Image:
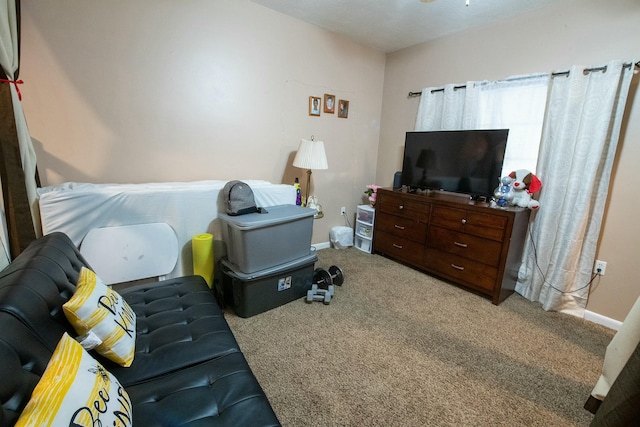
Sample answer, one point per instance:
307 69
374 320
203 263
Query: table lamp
310 155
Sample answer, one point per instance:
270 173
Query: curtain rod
560 73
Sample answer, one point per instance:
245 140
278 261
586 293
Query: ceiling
389 25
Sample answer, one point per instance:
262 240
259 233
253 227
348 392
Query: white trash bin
341 237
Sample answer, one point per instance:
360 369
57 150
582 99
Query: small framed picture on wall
329 103
343 108
314 105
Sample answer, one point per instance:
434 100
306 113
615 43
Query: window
519 105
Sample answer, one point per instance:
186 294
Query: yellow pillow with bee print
102 318
75 389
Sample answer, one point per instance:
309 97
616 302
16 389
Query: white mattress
190 208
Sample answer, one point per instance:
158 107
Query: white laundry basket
341 237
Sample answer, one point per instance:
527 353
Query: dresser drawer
462 270
478 224
398 247
402 227
403 205
466 245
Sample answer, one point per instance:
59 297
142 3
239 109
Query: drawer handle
401 207
457 267
397 246
399 227
464 221
462 245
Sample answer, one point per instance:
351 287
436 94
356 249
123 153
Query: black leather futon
188 369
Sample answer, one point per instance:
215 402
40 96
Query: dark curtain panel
621 406
16 203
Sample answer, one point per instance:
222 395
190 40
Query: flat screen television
458 161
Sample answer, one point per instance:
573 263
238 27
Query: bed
189 208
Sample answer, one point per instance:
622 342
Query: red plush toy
524 185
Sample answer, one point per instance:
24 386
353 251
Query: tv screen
459 161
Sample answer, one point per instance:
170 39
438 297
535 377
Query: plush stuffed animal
504 192
524 185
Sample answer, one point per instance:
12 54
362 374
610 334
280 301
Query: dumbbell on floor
337 278
324 278
322 286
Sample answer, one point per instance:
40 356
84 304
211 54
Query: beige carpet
397 347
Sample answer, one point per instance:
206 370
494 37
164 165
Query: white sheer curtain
9 61
516 103
580 136
444 108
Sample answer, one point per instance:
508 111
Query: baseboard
323 245
602 320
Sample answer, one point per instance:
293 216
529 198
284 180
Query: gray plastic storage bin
251 294
258 241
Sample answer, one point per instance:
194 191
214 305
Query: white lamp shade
311 155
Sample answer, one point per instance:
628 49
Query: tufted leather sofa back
32 290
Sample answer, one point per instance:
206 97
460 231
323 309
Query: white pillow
102 318
76 390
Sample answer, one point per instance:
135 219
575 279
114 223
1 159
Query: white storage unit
365 216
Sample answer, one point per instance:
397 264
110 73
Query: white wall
588 32
167 90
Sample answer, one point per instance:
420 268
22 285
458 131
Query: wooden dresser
469 243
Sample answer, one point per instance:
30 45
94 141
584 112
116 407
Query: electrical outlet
343 210
600 267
